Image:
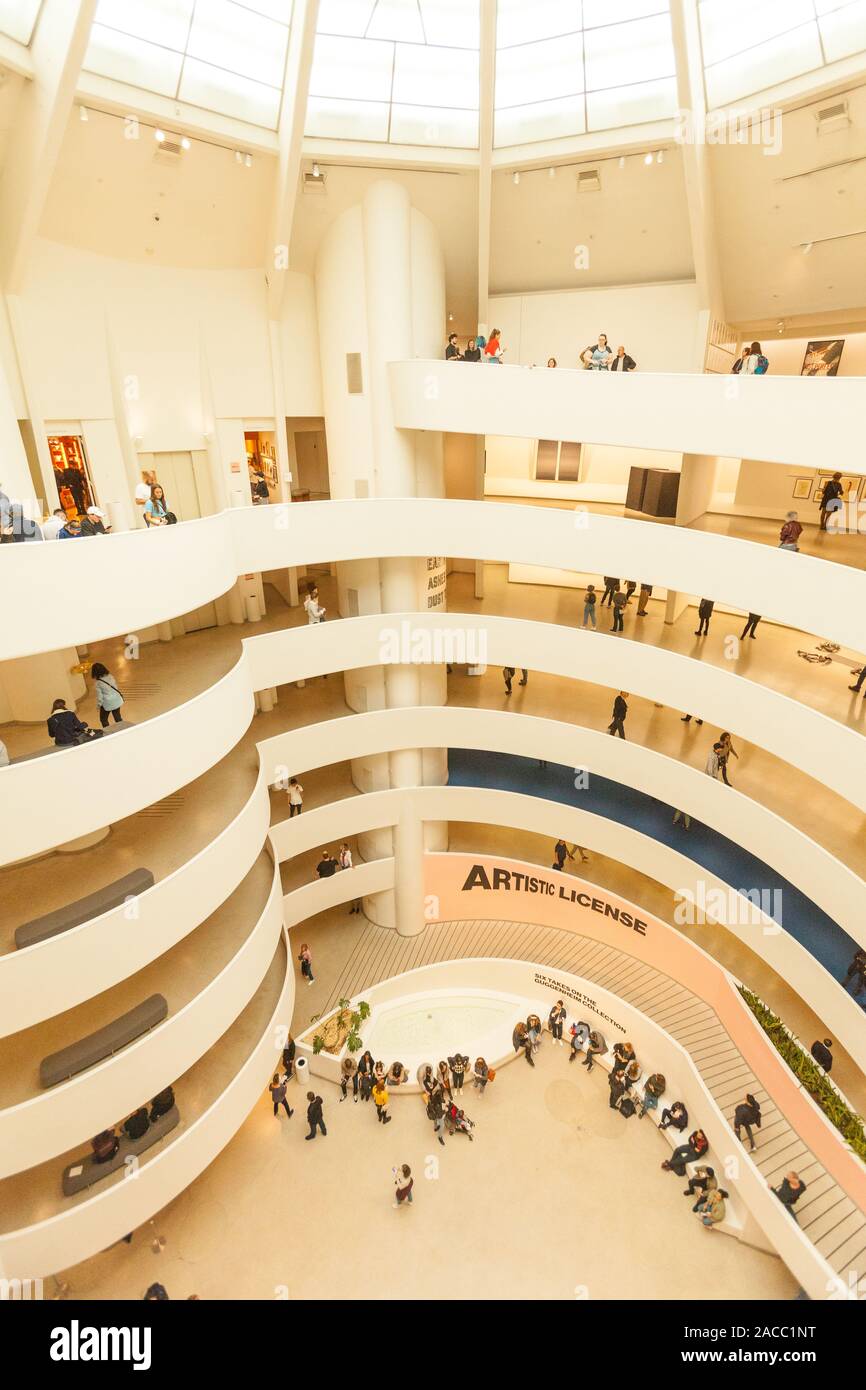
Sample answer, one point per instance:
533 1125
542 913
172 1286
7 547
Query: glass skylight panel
280 10
399 20
133 61
539 71
597 13
527 21
164 22
622 106
229 36
429 76
346 17
332 118
456 23
358 68
434 125
18 19
230 94
783 57
843 31
630 52
731 26
543 120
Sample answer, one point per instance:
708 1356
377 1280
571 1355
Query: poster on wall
822 357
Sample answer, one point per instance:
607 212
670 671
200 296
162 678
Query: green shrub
807 1071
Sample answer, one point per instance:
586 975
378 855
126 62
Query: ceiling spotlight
622 161
647 159
781 325
186 143
807 247
551 173
450 318
660 157
248 161
159 136
515 177
83 113
315 170
239 159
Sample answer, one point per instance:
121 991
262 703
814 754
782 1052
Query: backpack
763 365
627 1107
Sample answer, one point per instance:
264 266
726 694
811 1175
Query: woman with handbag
156 510
108 697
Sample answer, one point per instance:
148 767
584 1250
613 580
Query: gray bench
86 1171
64 747
103 1043
73 914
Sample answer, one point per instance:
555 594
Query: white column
409 873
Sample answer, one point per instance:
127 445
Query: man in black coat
620 710
314 1115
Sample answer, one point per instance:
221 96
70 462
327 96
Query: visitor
790 533
831 499
156 510
789 1191
458 1064
296 797
704 1181
705 612
684 817
436 1113
556 1020
306 959
403 1182
654 1088
366 1067
289 1057
108 698
746 1115
315 612
70 530
473 351
601 355
589 600
315 1115
578 1032
711 1209
533 1028
452 351
623 1054
822 1054
620 599
137 1125
156 1293
345 862
631 1075
52 526
458 1122
751 623
616 1089
595 1046
675 1117
427 1079
396 1074
689 1152
551 361
508 674
616 727
142 490
610 587
860 679
493 348
93 523
105 1146
278 1096
444 1077
480 1075
738 365
380 1100
856 973
754 363
327 865
561 852
728 751
161 1104
521 1041
687 719
713 760
65 727
622 362
643 599
348 1072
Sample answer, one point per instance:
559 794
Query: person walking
747 1114
860 679
751 623
296 797
684 817
705 612
108 698
790 533
436 1113
278 1096
616 727
561 852
856 973
306 959
403 1183
315 1115
610 587
380 1100
620 599
327 865
822 1054
508 674
646 591
589 601
789 1192
831 499
728 751
687 719
556 1019
713 763
314 610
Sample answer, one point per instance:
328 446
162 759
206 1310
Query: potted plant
342 1029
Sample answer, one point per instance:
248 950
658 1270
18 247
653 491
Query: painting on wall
822 357
802 489
850 485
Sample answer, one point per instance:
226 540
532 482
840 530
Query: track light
551 173
239 159
186 143
622 161
515 178
808 247
248 161
159 136
660 157
315 170
83 113
647 159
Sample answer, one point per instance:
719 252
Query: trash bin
302 1071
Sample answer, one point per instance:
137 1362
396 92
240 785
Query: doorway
75 490
262 466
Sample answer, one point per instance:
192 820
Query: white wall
657 324
786 355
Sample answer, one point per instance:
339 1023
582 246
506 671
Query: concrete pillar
409 873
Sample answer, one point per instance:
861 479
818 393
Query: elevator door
180 481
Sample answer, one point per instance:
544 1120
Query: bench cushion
73 914
86 1171
94 1048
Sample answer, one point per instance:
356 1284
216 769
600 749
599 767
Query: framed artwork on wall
802 489
822 357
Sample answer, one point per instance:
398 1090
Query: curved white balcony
143 577
82 1228
50 1123
783 419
